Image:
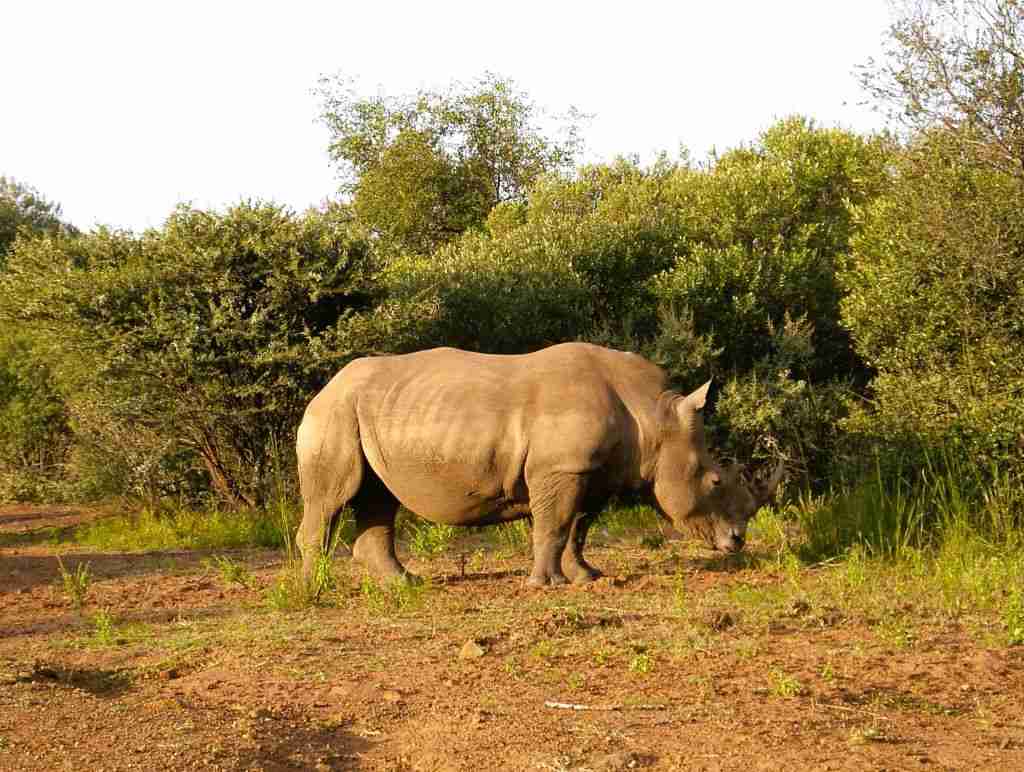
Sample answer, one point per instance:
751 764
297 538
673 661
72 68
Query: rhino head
691 489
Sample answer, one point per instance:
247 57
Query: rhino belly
451 494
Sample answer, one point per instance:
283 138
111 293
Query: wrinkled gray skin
473 439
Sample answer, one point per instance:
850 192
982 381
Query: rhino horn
764 492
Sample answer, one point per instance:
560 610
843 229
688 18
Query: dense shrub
773 411
196 346
936 306
762 233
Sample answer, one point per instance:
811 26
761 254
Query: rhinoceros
468 439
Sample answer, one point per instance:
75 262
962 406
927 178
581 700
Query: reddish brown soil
200 674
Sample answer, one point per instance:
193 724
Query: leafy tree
197 345
935 295
763 232
34 433
23 207
423 168
959 65
935 304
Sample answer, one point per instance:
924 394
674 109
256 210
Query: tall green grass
940 507
154 529
953 539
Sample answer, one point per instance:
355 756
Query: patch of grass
394 597
888 515
75 583
828 672
544 649
783 685
513 669
515 537
618 520
230 570
652 541
867 734
428 540
680 600
1013 617
759 602
897 632
104 632
641 664
155 529
747 648
291 591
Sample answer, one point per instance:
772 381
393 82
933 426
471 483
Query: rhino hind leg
331 468
554 503
575 568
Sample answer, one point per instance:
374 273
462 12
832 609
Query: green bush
936 306
763 232
188 353
774 411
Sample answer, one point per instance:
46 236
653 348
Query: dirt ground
669 662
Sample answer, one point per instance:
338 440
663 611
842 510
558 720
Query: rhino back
456 435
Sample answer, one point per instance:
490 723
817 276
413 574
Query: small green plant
747 648
641 664
679 597
104 633
544 649
292 590
514 536
828 673
1013 617
866 734
652 541
75 583
393 597
513 669
428 540
231 571
784 685
896 632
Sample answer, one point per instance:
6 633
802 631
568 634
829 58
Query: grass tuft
393 597
75 583
104 632
291 591
428 540
230 570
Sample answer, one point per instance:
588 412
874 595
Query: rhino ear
695 401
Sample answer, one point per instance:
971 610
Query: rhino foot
585 575
400 577
555 580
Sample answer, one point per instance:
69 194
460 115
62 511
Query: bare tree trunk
220 478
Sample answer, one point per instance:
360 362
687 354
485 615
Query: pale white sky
120 110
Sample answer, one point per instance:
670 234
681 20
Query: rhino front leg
554 503
578 570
